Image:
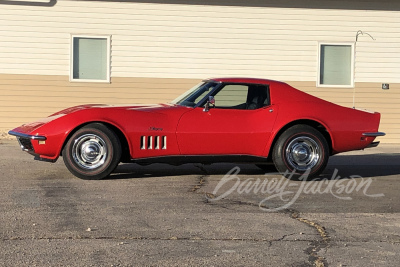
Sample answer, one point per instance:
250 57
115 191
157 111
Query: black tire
92 152
299 148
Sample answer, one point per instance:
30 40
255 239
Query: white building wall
193 41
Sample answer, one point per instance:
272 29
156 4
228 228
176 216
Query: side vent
143 142
153 142
157 142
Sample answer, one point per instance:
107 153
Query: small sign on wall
385 86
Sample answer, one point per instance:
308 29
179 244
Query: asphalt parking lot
191 215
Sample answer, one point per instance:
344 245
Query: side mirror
210 103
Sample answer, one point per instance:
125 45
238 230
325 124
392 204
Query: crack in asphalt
172 238
201 180
315 246
311 251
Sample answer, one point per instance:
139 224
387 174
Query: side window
238 96
232 96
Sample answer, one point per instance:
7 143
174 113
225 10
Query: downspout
355 64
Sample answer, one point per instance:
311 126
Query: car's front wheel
299 149
92 152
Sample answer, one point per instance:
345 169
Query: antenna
359 32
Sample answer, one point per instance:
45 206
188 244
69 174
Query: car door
234 126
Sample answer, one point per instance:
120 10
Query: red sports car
219 120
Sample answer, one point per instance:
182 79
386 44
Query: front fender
55 131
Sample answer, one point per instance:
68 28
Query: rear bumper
373 144
374 134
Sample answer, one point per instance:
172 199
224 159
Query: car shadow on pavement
345 166
371 165
133 170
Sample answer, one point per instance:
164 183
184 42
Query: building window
90 58
336 65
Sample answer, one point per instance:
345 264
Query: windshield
192 97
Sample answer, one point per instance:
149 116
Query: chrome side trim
28 136
374 134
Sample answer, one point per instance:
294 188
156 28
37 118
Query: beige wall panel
141 12
24 98
176 10
155 26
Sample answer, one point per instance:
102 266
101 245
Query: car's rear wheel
92 152
299 149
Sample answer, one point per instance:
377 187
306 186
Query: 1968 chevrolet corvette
220 120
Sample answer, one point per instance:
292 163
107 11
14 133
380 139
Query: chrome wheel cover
303 153
89 151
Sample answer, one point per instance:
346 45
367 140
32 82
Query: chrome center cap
300 153
90 152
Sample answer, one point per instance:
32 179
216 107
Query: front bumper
25 140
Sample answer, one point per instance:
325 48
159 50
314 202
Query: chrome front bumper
24 140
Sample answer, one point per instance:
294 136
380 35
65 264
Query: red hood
76 108
31 128
140 107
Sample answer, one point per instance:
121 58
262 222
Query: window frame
352 74
71 62
222 85
215 94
